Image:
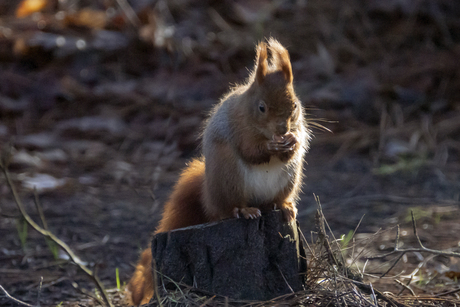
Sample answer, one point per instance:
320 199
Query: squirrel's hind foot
289 211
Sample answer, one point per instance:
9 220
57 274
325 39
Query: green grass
345 239
22 228
117 277
408 165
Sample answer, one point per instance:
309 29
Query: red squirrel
253 146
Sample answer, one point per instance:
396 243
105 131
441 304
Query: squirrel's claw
288 143
248 213
236 211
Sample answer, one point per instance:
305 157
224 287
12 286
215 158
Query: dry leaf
453 275
453 270
28 7
93 19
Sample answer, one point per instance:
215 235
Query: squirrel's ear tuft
262 63
280 59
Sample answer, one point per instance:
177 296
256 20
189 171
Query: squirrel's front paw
248 213
282 144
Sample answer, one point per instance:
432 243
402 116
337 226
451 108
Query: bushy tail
183 209
140 287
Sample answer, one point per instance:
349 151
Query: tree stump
243 259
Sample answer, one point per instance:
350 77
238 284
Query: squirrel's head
272 99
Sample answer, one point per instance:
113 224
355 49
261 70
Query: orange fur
183 209
184 206
140 287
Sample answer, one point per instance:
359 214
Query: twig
40 209
448 292
39 290
357 226
373 296
87 293
282 275
129 12
364 251
353 238
51 236
322 236
406 286
304 240
402 252
15 299
155 283
415 230
393 265
377 293
414 249
207 301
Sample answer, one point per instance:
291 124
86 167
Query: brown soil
111 109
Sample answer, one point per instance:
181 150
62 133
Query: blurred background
102 102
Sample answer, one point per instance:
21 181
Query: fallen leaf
453 270
93 19
43 183
28 7
453 275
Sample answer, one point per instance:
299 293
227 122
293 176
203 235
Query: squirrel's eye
295 105
262 106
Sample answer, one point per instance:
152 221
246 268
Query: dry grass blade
15 299
129 12
4 166
155 284
406 286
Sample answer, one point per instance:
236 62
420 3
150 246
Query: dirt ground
101 107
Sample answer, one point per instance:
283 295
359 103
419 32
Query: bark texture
243 259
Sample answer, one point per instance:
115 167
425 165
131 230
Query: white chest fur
263 182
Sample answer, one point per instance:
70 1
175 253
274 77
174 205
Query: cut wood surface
243 259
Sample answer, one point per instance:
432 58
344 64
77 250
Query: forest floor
102 106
